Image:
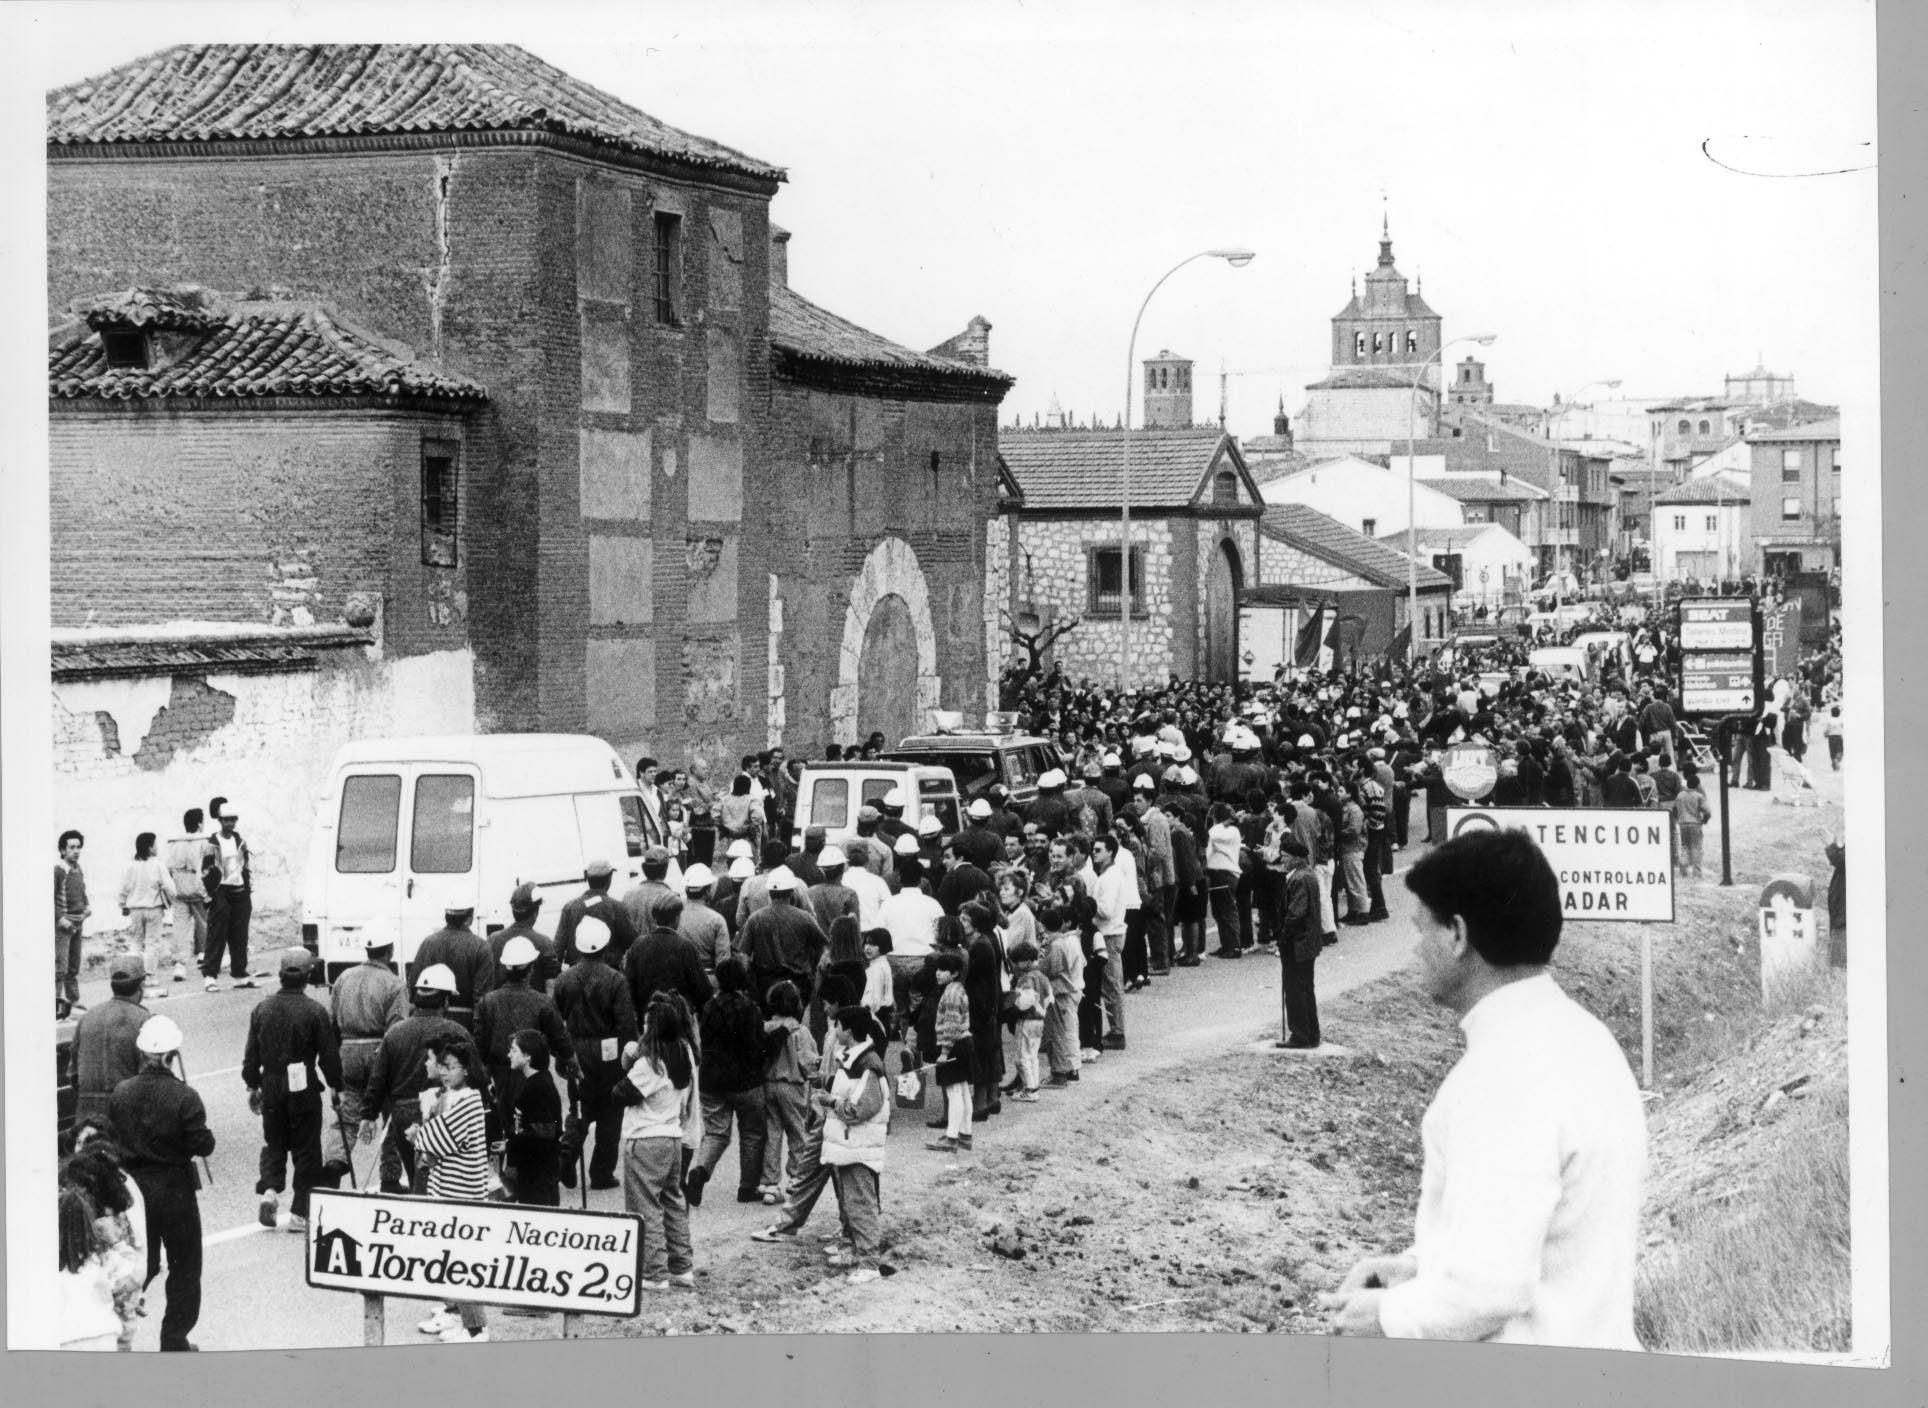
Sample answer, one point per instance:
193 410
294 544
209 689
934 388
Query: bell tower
1386 325
1168 391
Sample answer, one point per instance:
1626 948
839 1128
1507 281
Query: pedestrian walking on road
228 879
790 1064
400 1075
661 1111
71 912
366 1002
465 953
513 1007
187 857
524 907
856 1122
106 1050
601 1020
146 894
451 1139
532 1124
1690 817
732 1069
595 902
291 1050
161 1126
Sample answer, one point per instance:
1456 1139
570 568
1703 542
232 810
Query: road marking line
210 1075
233 1234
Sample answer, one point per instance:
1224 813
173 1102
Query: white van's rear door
439 868
364 880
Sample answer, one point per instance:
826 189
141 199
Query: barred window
441 465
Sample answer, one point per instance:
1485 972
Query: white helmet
517 953
740 850
439 977
158 1036
742 868
592 934
895 798
698 877
832 855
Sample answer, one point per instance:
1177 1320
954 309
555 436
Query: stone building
1307 559
1194 547
586 507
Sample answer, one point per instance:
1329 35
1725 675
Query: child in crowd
87 1318
1831 729
954 1051
1063 966
880 989
534 1153
790 1061
95 1170
659 1094
1020 924
452 1138
1690 818
1032 993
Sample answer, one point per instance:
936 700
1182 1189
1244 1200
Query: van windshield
935 796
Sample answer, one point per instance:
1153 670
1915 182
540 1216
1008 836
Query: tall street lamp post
1484 339
1238 257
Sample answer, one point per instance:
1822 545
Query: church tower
1470 386
1387 326
1168 392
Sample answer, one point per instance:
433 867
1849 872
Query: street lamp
1484 339
1238 257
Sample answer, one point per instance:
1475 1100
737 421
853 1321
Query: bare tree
1034 644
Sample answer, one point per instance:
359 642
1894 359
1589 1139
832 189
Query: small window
1358 345
125 350
635 832
1412 340
1704 427
1151 379
1713 522
1790 466
1225 487
441 465
875 790
1790 509
1466 375
442 840
1106 581
371 808
1164 378
1680 523
1686 427
669 269
830 802
1378 344
1369 527
1834 461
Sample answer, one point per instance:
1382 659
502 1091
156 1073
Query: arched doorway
1221 614
887 671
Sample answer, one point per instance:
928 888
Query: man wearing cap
595 901
782 940
701 924
907 864
1006 817
638 903
1050 810
871 889
1112 781
932 848
805 863
400 1073
365 1002
229 881
662 960
755 893
105 1053
524 905
514 1005
464 953
161 1126
976 842
291 1042
1300 940
891 824
736 871
596 1009
831 898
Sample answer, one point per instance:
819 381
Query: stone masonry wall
1057 552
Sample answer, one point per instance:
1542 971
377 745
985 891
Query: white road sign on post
578 1263
1612 864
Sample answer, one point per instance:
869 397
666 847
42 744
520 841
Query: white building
1494 566
1701 527
1366 497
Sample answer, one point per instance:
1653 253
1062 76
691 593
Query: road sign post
1722 661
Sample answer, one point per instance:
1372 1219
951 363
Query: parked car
1560 662
831 794
980 759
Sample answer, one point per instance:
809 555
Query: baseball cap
296 960
598 868
524 897
980 808
438 977
832 855
740 850
128 966
698 876
783 878
656 856
592 936
518 953
158 1036
742 868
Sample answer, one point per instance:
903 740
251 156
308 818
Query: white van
831 794
1560 662
412 826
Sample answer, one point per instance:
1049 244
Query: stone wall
997 600
1059 555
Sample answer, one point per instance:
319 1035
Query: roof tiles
802 329
1083 468
1331 541
220 92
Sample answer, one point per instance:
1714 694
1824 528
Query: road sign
1720 656
579 1263
1781 640
1613 864
1470 770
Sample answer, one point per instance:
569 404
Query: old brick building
594 533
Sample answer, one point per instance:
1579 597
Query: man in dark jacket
829 898
597 901
664 960
594 1002
781 940
514 1005
229 880
464 953
731 1081
1619 789
524 906
652 887
400 1074
105 1053
291 1041
161 1127
962 882
1300 940
978 842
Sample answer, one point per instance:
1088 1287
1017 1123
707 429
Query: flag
1305 650
1402 641
1335 637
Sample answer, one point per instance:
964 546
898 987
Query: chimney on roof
973 345
779 256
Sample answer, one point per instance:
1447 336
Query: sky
1542 168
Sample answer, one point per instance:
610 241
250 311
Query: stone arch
891 570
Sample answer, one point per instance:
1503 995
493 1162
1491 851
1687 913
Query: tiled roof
1829 429
1081 468
1441 537
1368 378
1477 489
171 309
246 347
1642 480
92 653
801 329
1331 541
220 92
1710 490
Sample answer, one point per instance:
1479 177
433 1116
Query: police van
411 827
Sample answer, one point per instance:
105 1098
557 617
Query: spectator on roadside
187 856
229 881
71 911
146 894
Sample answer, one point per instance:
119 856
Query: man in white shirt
873 891
1529 1199
911 916
1116 892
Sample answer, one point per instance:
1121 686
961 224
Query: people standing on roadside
1062 964
531 1123
365 1003
187 856
856 1122
1114 894
731 1065
451 1139
514 1006
71 911
229 881
1223 845
1300 940
1832 729
953 1050
699 799
1690 821
596 902
161 1126
984 982
781 940
597 1011
524 906
146 895
790 1062
663 960
1529 1210
465 953
399 1075
739 816
291 1049
105 1049
660 1096
1837 854
1032 995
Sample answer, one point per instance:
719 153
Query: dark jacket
288 1029
978 844
211 868
516 1007
664 960
104 1051
732 1032
548 966
961 884
622 933
782 941
594 1002
467 955
161 1126
398 1074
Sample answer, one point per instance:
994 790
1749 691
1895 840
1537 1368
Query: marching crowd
790 996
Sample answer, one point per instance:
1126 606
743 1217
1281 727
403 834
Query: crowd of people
794 990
